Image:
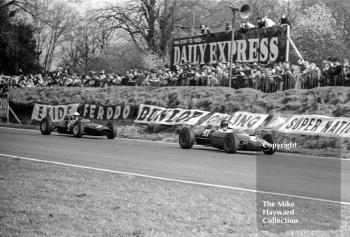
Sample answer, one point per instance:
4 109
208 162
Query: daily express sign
255 45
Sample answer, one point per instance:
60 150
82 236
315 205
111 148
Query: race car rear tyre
113 133
231 143
272 140
78 129
186 138
46 126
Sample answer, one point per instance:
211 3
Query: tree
17 43
51 20
151 24
316 34
88 40
341 13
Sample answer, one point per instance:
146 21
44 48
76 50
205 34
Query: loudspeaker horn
246 11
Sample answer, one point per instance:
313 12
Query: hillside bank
219 99
329 101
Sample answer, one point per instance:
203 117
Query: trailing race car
78 127
226 139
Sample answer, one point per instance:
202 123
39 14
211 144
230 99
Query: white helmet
76 114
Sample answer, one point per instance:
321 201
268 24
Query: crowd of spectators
268 78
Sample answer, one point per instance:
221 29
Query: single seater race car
226 139
78 127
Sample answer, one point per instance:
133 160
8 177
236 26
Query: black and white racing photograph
168 118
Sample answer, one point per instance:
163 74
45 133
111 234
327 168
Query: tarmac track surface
319 178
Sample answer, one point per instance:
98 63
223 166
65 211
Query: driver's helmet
224 124
76 116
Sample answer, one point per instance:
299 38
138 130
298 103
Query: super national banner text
317 125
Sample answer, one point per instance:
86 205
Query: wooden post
295 48
8 106
287 46
232 42
14 115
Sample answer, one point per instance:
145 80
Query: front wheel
231 143
46 126
78 130
113 131
272 140
186 138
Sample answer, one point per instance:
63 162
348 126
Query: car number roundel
206 132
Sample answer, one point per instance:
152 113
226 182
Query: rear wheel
78 130
46 126
186 138
113 132
272 140
231 143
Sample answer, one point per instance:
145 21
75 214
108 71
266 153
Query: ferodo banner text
100 112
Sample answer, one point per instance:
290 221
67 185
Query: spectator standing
287 78
346 72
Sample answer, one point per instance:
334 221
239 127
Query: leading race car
78 127
226 139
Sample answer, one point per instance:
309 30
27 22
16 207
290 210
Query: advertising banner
4 106
239 120
259 45
317 125
100 112
158 115
150 114
56 112
277 120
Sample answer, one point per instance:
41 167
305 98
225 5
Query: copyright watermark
285 146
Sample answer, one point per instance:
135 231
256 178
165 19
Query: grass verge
39 199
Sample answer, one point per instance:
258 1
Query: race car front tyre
186 138
46 126
231 143
78 129
272 140
113 132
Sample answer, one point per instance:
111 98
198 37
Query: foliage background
119 35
